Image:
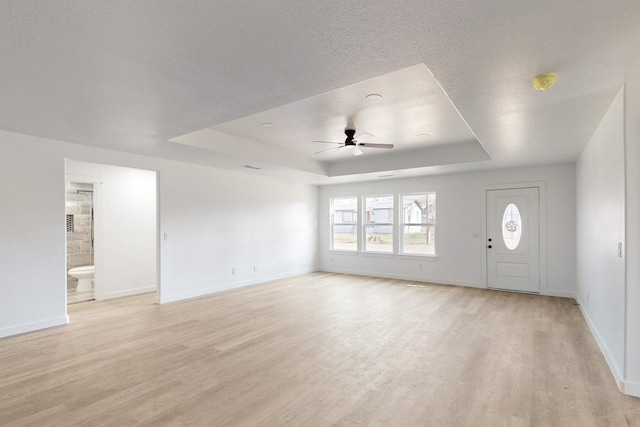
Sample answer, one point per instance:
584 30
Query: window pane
418 230
414 209
431 208
378 238
418 240
345 238
378 219
511 227
344 215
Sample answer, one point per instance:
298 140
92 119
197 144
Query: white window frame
333 224
391 224
402 224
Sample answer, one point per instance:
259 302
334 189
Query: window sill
378 254
339 252
416 257
406 257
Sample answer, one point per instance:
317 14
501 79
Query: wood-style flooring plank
316 350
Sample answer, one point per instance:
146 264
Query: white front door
513 239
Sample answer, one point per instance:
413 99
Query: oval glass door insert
511 227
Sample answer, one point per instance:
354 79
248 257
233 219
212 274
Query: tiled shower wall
79 244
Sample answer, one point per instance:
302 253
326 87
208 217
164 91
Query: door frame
542 206
97 229
99 214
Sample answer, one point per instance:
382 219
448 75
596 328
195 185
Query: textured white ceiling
414 112
133 75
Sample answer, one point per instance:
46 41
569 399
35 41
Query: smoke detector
544 81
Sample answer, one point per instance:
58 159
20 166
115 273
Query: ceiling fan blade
364 136
354 144
373 145
328 149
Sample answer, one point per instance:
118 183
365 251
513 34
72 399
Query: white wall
228 229
216 220
632 239
126 254
460 256
32 238
600 224
129 233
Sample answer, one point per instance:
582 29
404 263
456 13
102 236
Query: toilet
84 274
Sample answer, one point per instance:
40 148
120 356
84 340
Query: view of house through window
378 224
418 224
344 224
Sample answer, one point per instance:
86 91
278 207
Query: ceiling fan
352 143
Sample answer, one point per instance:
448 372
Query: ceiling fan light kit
351 142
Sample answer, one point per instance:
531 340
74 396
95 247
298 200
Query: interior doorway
125 228
513 239
79 211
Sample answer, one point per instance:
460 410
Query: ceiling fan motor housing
350 134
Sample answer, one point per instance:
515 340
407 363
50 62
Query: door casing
542 222
516 269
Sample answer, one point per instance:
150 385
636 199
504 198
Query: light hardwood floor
316 350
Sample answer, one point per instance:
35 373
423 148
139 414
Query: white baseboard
608 357
35 326
214 288
548 292
560 294
197 293
406 277
129 292
631 388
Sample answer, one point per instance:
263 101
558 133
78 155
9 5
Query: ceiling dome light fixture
373 97
544 81
266 125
